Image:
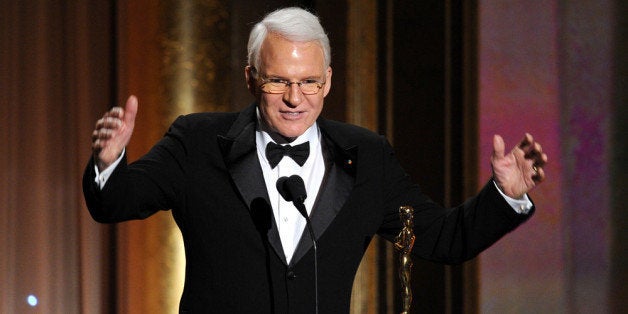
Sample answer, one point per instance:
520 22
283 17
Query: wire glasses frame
280 86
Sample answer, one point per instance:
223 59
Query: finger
537 156
539 175
527 141
526 145
99 144
533 151
96 146
108 123
540 160
112 123
105 134
101 136
498 147
100 123
116 112
130 111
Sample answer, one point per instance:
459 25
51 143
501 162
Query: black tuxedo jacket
206 170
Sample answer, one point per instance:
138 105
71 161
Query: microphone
292 189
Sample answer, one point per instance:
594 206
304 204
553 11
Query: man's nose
293 96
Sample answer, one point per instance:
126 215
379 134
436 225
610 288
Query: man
247 248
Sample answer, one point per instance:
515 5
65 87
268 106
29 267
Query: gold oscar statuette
403 243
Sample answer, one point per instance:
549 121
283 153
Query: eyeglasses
280 86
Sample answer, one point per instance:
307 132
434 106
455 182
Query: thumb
498 147
130 111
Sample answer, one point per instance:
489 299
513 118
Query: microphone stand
292 189
301 208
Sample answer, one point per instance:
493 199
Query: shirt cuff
521 206
102 177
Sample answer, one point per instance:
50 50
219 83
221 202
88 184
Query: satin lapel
337 185
239 152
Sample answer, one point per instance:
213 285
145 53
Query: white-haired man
248 249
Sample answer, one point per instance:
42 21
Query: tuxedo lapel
238 149
240 155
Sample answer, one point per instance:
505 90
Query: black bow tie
275 152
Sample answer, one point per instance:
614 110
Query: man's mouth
290 114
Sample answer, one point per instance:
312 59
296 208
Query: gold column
196 53
196 56
362 110
174 55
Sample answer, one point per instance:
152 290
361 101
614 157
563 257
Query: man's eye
309 81
277 81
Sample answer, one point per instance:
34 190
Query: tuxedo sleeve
140 189
446 235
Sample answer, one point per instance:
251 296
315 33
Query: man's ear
250 79
327 85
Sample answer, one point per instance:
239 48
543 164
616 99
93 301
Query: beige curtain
55 67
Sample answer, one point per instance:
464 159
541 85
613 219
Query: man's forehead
280 54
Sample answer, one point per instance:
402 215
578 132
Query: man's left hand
519 171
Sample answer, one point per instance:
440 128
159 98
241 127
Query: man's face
291 113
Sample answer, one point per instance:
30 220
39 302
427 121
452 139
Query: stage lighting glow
32 300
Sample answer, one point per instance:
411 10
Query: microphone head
292 189
296 186
283 191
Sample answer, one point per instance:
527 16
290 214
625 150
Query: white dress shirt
290 223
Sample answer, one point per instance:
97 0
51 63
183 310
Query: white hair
295 24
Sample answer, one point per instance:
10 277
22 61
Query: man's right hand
113 132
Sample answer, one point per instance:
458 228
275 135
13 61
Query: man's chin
290 134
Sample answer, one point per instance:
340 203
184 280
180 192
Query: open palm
519 171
